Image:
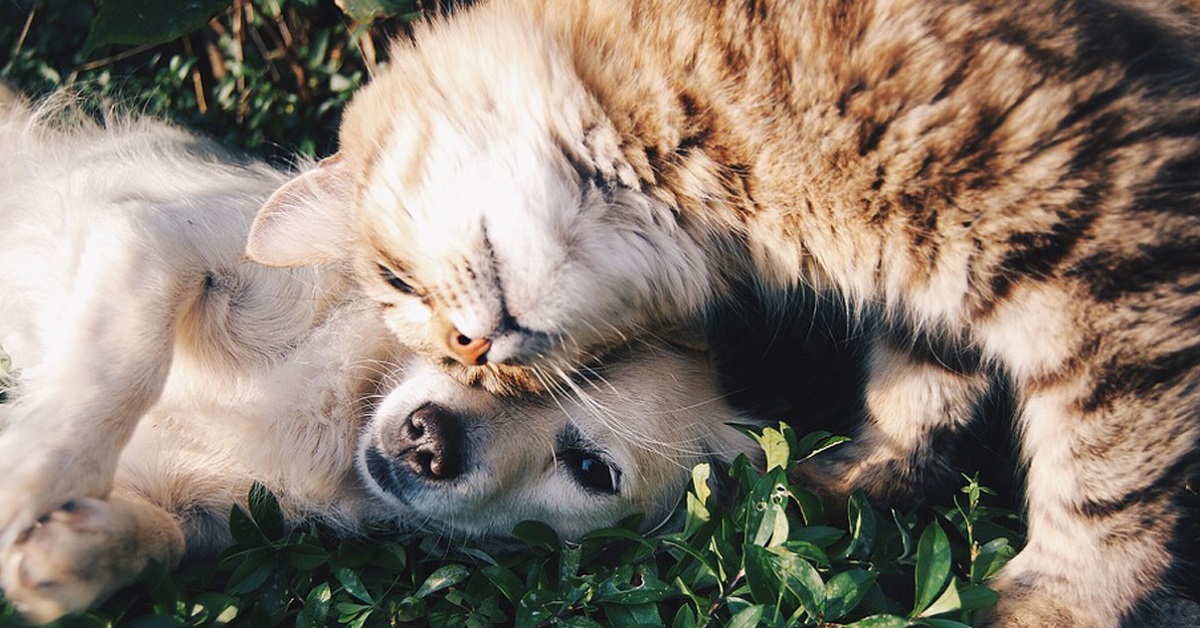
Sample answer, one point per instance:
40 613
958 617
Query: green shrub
265 75
774 556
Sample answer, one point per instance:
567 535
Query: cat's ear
307 220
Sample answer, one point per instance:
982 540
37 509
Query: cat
1006 190
156 375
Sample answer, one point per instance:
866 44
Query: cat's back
901 136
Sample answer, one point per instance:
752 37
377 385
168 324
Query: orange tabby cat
1010 189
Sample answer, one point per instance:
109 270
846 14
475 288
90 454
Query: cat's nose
468 350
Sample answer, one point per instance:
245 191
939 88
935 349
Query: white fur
158 374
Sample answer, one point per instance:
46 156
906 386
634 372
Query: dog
156 374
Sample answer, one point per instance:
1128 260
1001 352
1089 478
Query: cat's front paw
1028 601
836 474
81 553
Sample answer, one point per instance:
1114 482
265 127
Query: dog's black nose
430 442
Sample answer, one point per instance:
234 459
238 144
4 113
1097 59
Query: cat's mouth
500 379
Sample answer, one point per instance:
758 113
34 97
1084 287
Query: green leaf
697 499
307 555
947 602
812 509
685 617
568 564
765 584
315 612
638 586
933 566
633 615
749 617
766 519
148 21
253 570
862 526
775 446
974 597
802 580
243 529
532 609
157 622
821 536
941 623
990 558
815 443
624 534
441 578
264 508
353 585
880 621
845 590
367 11
390 556
687 548
509 585
808 551
537 534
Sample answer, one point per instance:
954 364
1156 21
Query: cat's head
485 204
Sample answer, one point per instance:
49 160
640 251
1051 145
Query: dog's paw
81 553
39 476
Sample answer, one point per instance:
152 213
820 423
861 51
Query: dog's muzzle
427 447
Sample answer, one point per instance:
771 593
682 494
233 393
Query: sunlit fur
1003 188
157 374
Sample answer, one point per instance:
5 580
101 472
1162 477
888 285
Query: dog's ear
308 220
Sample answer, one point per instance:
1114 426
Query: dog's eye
591 471
395 282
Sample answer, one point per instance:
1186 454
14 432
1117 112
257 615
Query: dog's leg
81 553
101 356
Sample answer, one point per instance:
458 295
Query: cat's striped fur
1011 188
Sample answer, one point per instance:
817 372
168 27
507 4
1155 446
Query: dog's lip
383 474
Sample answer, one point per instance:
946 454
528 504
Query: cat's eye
398 284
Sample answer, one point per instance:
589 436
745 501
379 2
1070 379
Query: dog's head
623 442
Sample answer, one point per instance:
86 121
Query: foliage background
271 77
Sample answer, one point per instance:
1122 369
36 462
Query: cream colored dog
156 374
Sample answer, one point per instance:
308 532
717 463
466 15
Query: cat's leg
915 403
84 551
1102 484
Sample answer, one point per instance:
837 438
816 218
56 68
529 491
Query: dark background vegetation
271 77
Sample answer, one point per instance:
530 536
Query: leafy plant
774 556
270 76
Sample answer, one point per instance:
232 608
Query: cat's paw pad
67 560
